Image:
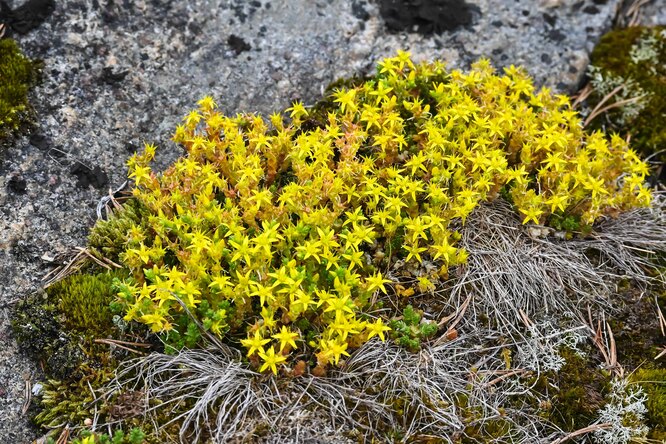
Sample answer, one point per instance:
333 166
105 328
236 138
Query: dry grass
514 273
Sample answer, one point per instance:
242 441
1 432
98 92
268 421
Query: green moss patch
17 74
653 382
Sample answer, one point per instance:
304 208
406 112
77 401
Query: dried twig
64 436
120 344
104 202
583 431
597 111
660 316
631 15
663 353
582 95
27 392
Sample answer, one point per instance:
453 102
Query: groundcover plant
423 255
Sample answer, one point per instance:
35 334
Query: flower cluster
273 233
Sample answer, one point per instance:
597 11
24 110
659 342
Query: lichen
653 382
633 59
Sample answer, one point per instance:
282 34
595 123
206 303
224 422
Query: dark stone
525 12
545 58
556 35
111 77
497 23
39 141
86 176
591 10
132 147
194 28
550 19
358 9
17 184
237 44
28 16
427 16
497 51
600 2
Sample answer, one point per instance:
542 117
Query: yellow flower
310 249
377 281
140 174
271 360
377 328
346 99
207 104
644 196
156 322
265 293
255 343
596 186
531 214
297 110
332 350
286 337
445 251
243 250
339 305
414 251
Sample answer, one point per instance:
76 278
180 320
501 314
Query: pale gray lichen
647 49
605 82
623 413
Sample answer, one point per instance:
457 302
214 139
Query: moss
107 237
34 321
635 326
18 73
477 429
635 57
57 326
134 436
84 301
579 394
653 382
64 403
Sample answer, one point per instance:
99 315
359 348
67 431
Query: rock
237 44
168 54
28 16
17 183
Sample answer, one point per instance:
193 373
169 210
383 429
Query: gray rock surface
118 73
